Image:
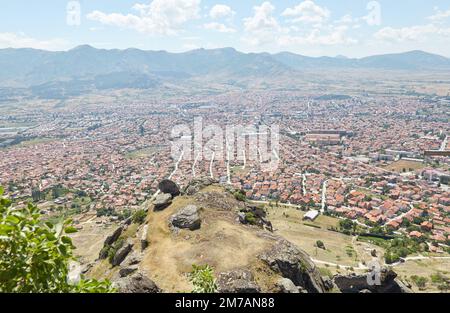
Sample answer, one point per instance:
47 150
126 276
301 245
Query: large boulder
353 283
285 285
187 217
295 264
109 241
127 270
121 254
162 201
170 187
144 240
136 283
114 236
237 281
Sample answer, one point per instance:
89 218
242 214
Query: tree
35 256
202 277
36 194
320 244
240 195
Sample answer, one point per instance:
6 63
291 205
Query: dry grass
399 165
424 268
89 240
289 224
221 242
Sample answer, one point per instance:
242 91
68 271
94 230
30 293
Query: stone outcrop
170 187
187 217
354 283
198 184
136 283
162 201
127 270
109 241
114 236
121 254
237 281
144 240
285 285
255 216
295 264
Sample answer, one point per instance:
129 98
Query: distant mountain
32 67
85 67
413 61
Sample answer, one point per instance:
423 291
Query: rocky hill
205 224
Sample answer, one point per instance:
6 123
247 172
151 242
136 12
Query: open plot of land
143 153
424 268
405 165
89 240
288 223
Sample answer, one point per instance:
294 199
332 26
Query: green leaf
66 240
70 230
12 219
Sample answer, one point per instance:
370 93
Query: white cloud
316 37
307 12
346 19
163 17
411 33
262 20
20 40
222 28
262 27
439 16
221 11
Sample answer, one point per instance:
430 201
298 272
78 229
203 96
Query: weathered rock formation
121 254
285 285
136 283
187 217
197 184
359 283
109 241
170 187
237 281
255 216
162 201
295 264
144 235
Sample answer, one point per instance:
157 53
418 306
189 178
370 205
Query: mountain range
87 67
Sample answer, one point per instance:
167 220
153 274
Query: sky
353 28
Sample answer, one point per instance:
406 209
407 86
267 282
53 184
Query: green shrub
35 255
139 216
419 281
320 244
250 218
202 277
114 248
240 195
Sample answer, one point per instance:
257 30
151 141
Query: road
211 164
324 196
444 144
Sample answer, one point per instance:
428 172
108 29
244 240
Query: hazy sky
323 27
